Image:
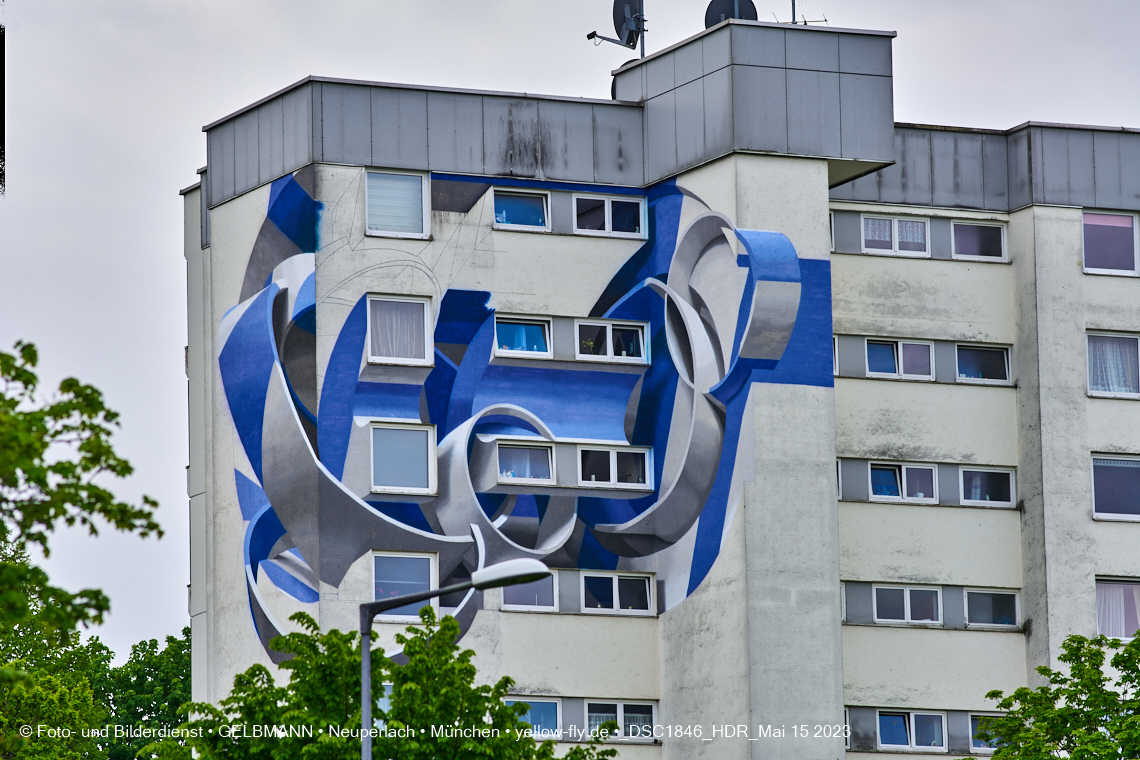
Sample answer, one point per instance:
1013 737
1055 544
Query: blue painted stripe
396 400
292 586
246 363
251 499
334 422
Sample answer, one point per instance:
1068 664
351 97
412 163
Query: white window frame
1135 272
831 231
991 626
981 380
944 749
609 357
515 318
433 482
531 700
894 249
847 723
1011 504
902 498
525 443
425 192
521 191
535 607
898 374
980 750
1118 581
612 484
970 223
835 356
616 610
906 589
433 582
429 332
1108 516
608 231
1088 363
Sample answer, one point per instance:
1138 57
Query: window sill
940 627
1100 517
616 486
611 360
538 355
1120 396
397 235
981 381
519 608
519 228
378 362
604 234
898 254
1111 273
982 259
982 505
404 491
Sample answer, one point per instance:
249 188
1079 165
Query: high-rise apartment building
821 420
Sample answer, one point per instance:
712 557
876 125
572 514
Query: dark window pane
977 723
912 236
597 714
982 363
627 341
626 216
978 485
919 482
633 593
596 466
592 340
520 208
1113 364
1116 486
928 731
521 336
631 467
893 729
985 608
599 592
400 576
400 457
977 240
916 359
538 593
638 720
524 462
890 604
881 358
884 481
924 605
590 213
1109 242
542 716
877 234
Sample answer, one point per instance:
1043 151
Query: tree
1083 714
435 688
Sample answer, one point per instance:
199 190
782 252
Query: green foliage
1084 714
436 687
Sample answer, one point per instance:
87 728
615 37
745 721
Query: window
525 464
610 341
903 482
400 575
399 330
529 338
398 205
905 604
614 468
978 723
541 714
1110 243
991 608
986 487
1116 487
834 355
900 237
403 458
617 217
521 211
613 593
1117 609
983 365
925 731
1113 366
540 595
910 360
979 241
634 720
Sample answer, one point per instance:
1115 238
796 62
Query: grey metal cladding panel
511 139
945 362
813 113
867 188
270 139
856 483
864 54
995 173
953 607
245 152
661 136
619 140
567 134
1064 161
866 117
690 100
860 608
659 76
759 108
347 123
959 732
814 51
941 246
908 181
688 63
1017 162
455 124
1117 157
757 46
848 239
948 484
630 85
399 128
844 192
718 111
864 728
956 169
297 114
317 121
220 159
716 49
852 349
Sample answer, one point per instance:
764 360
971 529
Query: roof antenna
629 24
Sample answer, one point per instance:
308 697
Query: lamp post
500 574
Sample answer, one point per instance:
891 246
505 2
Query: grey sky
104 104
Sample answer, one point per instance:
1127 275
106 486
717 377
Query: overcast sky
104 107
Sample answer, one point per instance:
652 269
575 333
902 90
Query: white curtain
397 329
1113 364
1116 609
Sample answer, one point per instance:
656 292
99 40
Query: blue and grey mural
726 308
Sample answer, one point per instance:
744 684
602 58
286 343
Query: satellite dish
627 23
719 10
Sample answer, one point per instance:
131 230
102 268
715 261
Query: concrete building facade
823 421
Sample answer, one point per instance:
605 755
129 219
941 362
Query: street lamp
500 574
